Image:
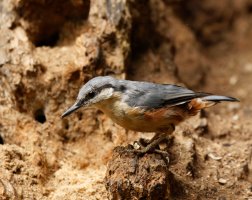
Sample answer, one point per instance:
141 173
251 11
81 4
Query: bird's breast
140 119
122 114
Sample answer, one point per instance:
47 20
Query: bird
144 106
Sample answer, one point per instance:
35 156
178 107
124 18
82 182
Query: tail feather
218 98
197 104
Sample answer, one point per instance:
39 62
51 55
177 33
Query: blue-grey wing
159 95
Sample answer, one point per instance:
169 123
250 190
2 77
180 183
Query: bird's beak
70 110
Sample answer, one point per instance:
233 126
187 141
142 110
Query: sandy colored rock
130 176
43 63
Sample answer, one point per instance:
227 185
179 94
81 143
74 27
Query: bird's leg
151 146
155 141
164 154
144 142
153 138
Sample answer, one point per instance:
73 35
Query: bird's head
95 91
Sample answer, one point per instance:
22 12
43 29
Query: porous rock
130 176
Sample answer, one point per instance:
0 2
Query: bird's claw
140 150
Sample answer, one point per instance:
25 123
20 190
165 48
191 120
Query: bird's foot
164 154
141 152
144 146
144 142
140 144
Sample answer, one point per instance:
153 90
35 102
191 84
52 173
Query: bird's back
150 95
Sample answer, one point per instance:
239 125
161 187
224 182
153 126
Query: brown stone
130 176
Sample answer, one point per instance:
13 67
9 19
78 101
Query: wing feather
150 95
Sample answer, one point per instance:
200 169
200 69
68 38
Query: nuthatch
144 106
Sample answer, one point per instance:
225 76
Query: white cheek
104 94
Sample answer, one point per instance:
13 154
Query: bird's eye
91 95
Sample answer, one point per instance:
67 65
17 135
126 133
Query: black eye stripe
94 91
91 94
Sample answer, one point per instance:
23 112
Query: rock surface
136 177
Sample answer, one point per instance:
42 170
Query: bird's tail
218 98
207 101
214 99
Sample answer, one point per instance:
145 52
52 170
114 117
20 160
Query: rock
130 176
222 181
214 157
